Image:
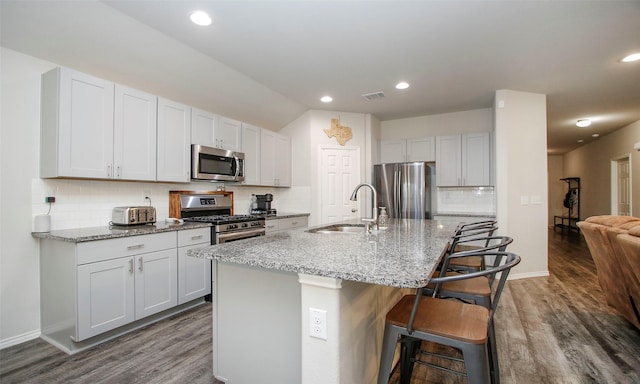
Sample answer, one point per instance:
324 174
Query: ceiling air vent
373 96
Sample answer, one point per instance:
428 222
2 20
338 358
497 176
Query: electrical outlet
318 323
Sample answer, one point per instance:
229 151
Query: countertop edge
81 235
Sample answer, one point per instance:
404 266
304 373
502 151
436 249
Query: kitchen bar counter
403 255
276 282
79 235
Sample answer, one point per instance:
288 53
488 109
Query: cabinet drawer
194 236
271 225
101 250
292 222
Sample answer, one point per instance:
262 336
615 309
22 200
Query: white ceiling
265 62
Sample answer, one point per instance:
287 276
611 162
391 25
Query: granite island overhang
265 287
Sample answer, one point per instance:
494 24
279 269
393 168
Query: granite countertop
403 255
79 235
286 215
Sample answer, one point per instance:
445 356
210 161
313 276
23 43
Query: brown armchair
620 286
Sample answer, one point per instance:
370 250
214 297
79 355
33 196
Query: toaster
133 215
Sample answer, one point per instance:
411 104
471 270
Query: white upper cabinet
76 137
275 165
174 149
134 149
463 160
203 125
408 150
215 131
422 149
393 151
448 160
228 133
251 149
476 159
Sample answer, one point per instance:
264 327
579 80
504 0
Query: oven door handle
223 237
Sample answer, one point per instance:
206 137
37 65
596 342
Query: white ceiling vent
374 95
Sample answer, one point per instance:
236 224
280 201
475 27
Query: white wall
592 164
521 177
19 157
477 120
307 136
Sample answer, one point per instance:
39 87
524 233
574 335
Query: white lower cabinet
156 282
120 290
105 296
194 274
285 224
89 288
116 292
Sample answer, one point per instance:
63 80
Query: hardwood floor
175 350
555 329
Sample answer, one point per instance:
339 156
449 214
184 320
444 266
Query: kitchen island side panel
256 320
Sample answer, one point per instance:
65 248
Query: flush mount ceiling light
326 99
583 123
402 85
201 18
631 58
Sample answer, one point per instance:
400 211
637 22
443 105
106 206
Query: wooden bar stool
452 323
471 237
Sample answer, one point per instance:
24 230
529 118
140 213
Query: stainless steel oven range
216 209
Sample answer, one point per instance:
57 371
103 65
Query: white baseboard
526 275
15 340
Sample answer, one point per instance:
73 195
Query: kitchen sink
339 228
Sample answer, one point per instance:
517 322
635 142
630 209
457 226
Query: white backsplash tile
466 200
89 203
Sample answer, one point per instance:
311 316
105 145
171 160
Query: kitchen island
266 287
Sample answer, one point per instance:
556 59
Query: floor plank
555 329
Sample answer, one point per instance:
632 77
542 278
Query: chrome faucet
374 214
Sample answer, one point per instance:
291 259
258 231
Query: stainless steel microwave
216 164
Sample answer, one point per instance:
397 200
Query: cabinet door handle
140 263
196 237
130 265
137 246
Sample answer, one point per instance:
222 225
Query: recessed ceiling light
201 18
580 141
326 99
402 85
595 135
583 123
632 57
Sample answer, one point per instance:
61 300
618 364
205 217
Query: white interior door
621 204
339 175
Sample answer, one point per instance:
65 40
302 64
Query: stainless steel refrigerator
405 189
